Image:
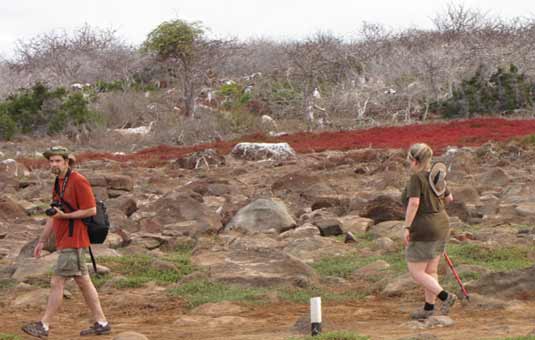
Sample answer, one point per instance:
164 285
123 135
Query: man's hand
60 214
38 248
406 237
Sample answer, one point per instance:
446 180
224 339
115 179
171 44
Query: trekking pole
450 264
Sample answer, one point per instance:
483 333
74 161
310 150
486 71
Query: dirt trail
154 315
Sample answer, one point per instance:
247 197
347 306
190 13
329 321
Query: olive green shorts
423 251
71 262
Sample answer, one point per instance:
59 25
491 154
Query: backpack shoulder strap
93 261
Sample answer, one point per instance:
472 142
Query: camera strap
65 181
61 194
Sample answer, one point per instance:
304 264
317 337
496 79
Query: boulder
311 249
218 309
210 187
495 178
35 267
210 322
175 207
10 209
191 228
11 168
130 336
97 181
119 182
208 158
460 160
261 151
262 215
251 262
355 223
466 194
399 285
513 284
385 244
127 205
304 231
372 269
307 185
390 229
526 209
330 227
432 322
384 208
34 298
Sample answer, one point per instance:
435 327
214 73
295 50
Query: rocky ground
231 246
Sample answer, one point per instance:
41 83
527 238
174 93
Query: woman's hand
406 237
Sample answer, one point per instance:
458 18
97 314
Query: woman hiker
426 228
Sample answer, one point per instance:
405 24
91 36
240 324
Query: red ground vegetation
471 132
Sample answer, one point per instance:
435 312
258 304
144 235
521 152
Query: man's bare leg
55 299
91 297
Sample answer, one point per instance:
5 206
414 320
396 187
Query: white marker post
315 315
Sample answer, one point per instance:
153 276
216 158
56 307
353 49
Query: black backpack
98 226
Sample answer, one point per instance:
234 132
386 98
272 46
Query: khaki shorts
71 262
423 251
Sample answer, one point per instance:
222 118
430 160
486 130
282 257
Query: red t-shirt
80 196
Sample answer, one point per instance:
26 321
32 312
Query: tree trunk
189 93
308 104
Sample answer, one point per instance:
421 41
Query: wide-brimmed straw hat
59 151
437 178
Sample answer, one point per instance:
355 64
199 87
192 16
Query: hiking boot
96 329
446 305
35 329
421 314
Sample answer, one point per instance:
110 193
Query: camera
51 211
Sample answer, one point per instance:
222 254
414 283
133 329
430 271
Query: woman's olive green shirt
431 221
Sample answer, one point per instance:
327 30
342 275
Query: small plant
496 259
7 283
196 293
528 140
6 336
140 269
302 296
343 266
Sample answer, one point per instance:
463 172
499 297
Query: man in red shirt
73 192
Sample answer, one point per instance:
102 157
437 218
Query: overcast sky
278 19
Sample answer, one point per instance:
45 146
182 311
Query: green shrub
40 109
6 336
503 91
8 127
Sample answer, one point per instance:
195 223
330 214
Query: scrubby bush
8 128
503 91
40 109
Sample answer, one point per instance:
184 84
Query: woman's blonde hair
421 153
